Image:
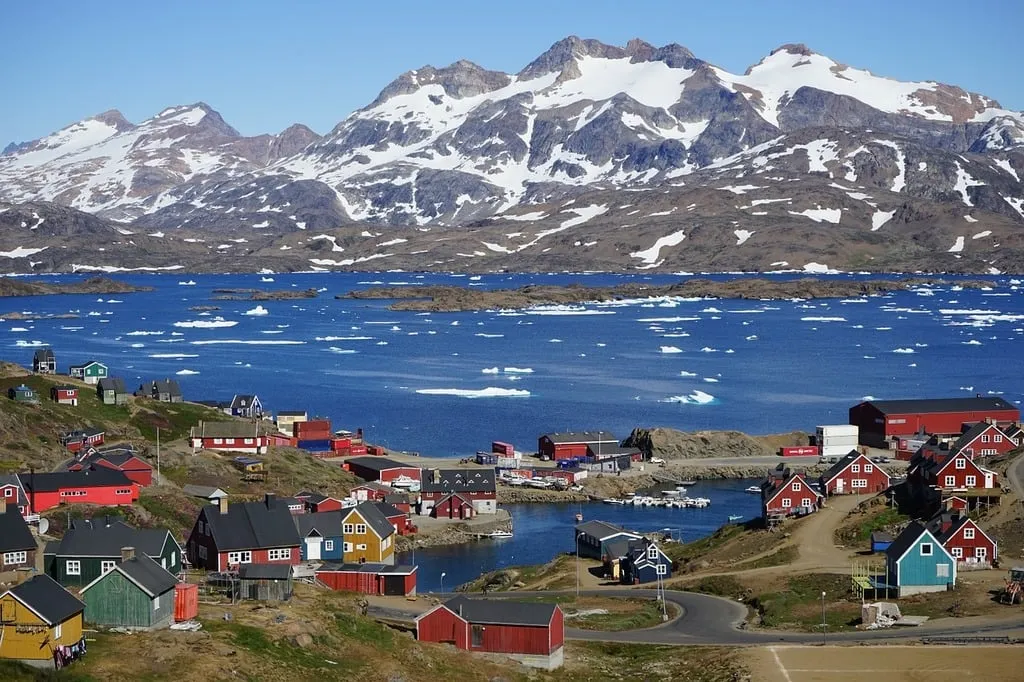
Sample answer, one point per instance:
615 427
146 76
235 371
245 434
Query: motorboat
735 517
614 500
500 534
686 483
754 489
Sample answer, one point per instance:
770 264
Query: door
839 486
313 549
988 480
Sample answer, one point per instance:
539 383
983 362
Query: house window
73 568
988 451
984 438
156 602
8 492
661 569
329 545
926 549
58 630
796 487
805 502
950 481
971 481
279 554
14 558
218 441
123 491
360 529
347 547
248 441
174 559
854 468
997 439
202 552
239 558
942 570
981 552
652 552
478 635
361 547
859 483
868 468
961 463
107 565
347 529
787 503
968 533
200 527
958 552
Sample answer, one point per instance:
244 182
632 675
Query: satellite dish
44 525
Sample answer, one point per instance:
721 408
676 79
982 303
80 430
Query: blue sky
265 65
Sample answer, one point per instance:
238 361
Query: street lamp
578 535
823 625
443 574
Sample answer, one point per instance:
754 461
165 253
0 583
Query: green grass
17 672
887 517
365 630
717 585
799 605
646 614
173 419
605 661
786 555
255 640
685 552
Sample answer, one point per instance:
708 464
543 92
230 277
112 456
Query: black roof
501 611
929 405
46 597
838 467
905 540
605 450
457 480
335 567
14 533
252 525
226 429
970 434
264 572
243 401
326 524
43 354
601 529
388 510
373 517
619 546
164 386
377 463
201 490
115 384
104 537
13 479
54 481
148 574
582 437
291 413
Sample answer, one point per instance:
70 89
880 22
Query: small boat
500 534
613 500
686 483
735 517
579 518
753 489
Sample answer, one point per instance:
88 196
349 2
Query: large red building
382 469
100 486
854 474
532 633
883 421
369 578
225 536
574 443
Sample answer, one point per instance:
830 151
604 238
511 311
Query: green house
92 547
22 394
136 593
91 372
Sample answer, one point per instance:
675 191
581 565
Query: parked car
657 460
880 460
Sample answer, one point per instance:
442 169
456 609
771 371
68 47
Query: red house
958 472
788 494
13 494
369 578
856 474
231 436
123 460
101 486
574 443
77 440
396 517
882 421
956 503
453 506
532 633
316 502
983 439
475 485
226 536
381 469
964 539
65 395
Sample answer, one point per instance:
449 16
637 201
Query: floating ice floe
489 392
28 344
823 319
344 338
258 310
671 349
566 310
173 356
708 349
483 335
247 342
342 351
695 398
186 372
684 373
903 350
711 380
215 323
972 342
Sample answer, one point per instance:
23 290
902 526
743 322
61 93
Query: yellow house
368 536
39 618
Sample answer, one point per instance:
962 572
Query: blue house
594 537
321 536
246 406
917 562
644 563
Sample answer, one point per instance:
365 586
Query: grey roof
243 401
377 463
326 524
54 481
879 536
153 578
457 480
115 384
501 611
45 596
905 540
226 429
14 533
601 529
12 479
291 413
619 546
374 518
336 567
838 467
204 491
164 386
104 537
582 437
264 572
970 434
603 449
931 405
388 510
252 525
43 354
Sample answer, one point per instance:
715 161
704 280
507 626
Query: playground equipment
1013 593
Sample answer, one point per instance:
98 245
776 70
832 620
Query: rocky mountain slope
591 157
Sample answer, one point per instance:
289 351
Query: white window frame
854 468
58 630
348 529
957 552
347 547
805 503
950 481
328 545
786 503
242 557
107 565
968 533
661 569
200 527
652 552
981 552
942 570
859 483
997 438
13 558
174 559
360 529
9 491
202 552
869 468
796 487
218 441
72 567
156 602
279 554
931 549
984 438
971 481
961 463
361 547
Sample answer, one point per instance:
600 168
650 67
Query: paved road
704 619
1015 476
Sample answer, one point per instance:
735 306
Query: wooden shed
265 582
369 578
137 594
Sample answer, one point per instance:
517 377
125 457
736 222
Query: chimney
127 553
223 504
436 476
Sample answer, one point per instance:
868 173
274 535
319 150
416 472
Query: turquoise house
916 562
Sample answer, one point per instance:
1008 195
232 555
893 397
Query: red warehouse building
788 494
369 578
532 633
574 443
381 469
318 502
225 536
100 486
882 421
964 539
855 474
454 506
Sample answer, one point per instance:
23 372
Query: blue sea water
449 383
542 531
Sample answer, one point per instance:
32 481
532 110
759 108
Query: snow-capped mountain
814 142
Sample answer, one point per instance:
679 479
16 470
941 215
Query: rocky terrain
449 299
670 444
592 157
93 285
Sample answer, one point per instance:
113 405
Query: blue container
315 445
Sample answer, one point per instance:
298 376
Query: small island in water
94 285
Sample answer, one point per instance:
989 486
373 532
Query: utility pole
158 455
823 624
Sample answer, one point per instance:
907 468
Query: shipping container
300 429
375 450
358 450
507 462
186 602
338 444
323 445
831 430
798 451
486 458
502 448
836 450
